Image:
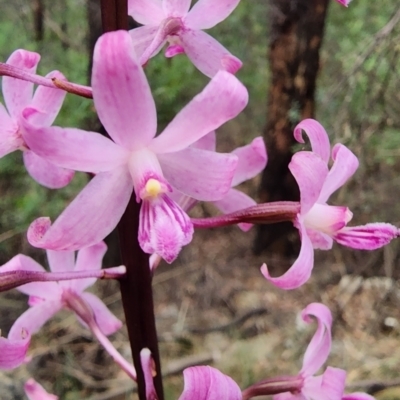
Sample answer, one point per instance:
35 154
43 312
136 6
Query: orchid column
136 291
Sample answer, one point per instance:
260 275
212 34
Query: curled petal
35 391
164 228
107 322
121 92
344 165
233 201
146 12
13 351
207 383
142 38
367 237
310 173
252 160
318 137
300 271
91 216
201 174
320 346
207 13
207 54
221 100
18 92
46 173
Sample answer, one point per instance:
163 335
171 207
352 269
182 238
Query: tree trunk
296 32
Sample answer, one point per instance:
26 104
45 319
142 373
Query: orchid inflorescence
167 174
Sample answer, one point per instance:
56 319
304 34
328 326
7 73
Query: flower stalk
136 290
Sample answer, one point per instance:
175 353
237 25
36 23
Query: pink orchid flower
252 159
136 159
18 94
47 298
13 349
319 223
329 385
171 21
35 391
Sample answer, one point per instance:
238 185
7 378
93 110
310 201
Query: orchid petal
327 219
300 271
344 166
357 396
18 92
176 8
201 174
88 259
320 345
221 100
146 12
61 261
10 139
185 202
319 240
13 351
344 2
318 137
142 38
74 148
367 237
333 383
329 386
91 216
207 13
121 92
233 201
34 318
310 173
35 391
207 142
164 228
207 54
48 101
159 40
108 323
207 383
252 160
46 173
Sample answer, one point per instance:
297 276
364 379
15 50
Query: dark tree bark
296 32
38 18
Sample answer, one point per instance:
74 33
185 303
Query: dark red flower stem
136 289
